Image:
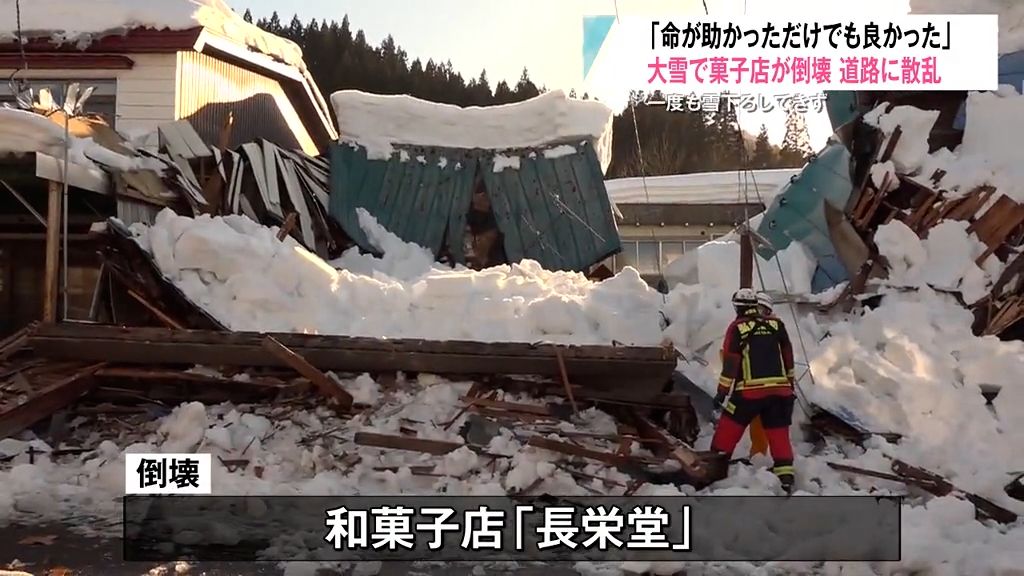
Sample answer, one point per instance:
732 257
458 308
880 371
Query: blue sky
503 36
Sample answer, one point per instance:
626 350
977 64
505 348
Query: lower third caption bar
453 528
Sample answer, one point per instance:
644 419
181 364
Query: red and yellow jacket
757 356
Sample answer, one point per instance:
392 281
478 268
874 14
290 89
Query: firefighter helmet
744 297
764 299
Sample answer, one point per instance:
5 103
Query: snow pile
1011 16
716 264
65 21
945 260
911 366
22 132
378 122
702 188
239 272
989 153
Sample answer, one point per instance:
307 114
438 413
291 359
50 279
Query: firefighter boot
787 481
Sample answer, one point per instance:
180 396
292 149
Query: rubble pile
938 206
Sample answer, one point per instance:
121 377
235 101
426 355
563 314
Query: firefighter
758 439
757 382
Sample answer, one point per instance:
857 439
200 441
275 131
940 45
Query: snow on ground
702 188
1011 16
239 272
910 366
380 121
66 22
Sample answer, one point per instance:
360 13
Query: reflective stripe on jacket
756 353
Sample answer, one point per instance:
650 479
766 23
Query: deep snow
378 122
702 188
910 366
239 272
68 22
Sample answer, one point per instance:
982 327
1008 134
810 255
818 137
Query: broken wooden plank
505 415
565 380
939 486
866 472
328 387
608 458
435 447
160 314
15 342
15 417
507 406
473 397
287 227
890 145
685 455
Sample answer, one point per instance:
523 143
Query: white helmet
744 297
764 299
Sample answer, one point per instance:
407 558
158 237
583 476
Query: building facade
662 218
146 78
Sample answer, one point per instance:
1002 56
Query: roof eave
320 123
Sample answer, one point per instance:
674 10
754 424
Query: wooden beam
51 286
608 458
16 417
328 387
435 447
507 406
565 380
647 369
689 459
288 226
160 315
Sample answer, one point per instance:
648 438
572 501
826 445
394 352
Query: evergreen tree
764 153
572 93
726 139
274 24
247 16
295 30
503 94
796 145
340 58
525 88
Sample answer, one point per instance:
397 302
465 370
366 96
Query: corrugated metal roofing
553 208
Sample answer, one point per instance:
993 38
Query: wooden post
52 280
746 260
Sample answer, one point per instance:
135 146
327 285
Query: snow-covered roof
378 122
1011 16
701 188
80 23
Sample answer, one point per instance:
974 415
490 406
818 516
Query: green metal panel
553 210
505 209
797 212
463 177
592 208
539 182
